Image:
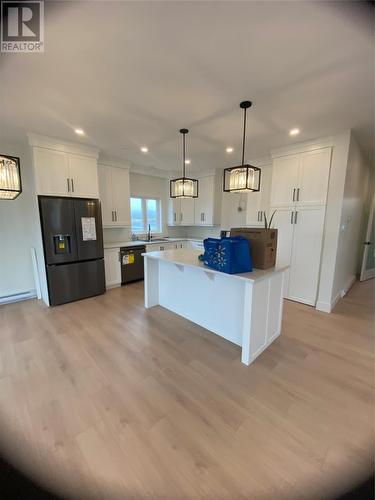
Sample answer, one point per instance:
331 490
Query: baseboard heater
16 297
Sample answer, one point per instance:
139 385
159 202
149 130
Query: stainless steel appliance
73 247
132 263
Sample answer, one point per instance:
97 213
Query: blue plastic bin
228 255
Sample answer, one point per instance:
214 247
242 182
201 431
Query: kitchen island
245 309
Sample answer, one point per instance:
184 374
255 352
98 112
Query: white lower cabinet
112 265
299 245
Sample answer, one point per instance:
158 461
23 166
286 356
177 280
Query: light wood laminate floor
104 399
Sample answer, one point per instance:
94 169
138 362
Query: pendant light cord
244 137
183 155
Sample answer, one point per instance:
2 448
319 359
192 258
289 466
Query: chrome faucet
149 233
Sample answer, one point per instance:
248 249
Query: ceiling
131 74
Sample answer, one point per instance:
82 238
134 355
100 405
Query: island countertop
189 257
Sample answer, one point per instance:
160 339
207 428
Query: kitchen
129 366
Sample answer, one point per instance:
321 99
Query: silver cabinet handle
67 181
113 219
291 217
297 194
260 216
115 215
72 185
181 215
295 217
202 216
174 216
294 194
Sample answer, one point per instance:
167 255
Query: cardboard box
263 243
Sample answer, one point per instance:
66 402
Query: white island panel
245 309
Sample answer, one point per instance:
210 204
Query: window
144 212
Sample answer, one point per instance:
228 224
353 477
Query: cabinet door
105 193
51 172
121 196
187 211
284 180
253 209
313 177
112 267
283 222
84 175
204 204
175 211
306 254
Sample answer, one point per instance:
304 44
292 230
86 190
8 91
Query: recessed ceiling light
229 149
294 131
144 149
187 162
79 131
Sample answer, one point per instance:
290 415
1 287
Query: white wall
19 228
332 219
350 235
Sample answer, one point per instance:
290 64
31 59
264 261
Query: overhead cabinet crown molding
42 141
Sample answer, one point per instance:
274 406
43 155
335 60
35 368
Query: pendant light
10 177
245 177
183 187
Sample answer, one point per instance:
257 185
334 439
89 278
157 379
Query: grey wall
19 229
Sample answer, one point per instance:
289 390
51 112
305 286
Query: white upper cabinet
204 205
259 202
64 169
182 212
313 177
83 173
195 211
284 180
114 195
51 172
121 196
301 179
187 211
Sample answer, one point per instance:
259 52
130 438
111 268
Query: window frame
145 222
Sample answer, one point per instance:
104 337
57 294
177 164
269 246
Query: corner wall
350 236
19 229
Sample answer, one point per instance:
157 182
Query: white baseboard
328 306
17 297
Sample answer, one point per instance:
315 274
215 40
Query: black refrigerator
73 247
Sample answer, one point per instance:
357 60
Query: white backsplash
116 234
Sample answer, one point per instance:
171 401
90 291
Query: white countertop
189 257
137 243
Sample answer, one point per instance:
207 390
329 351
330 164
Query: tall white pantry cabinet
298 194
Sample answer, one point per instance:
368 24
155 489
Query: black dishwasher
132 263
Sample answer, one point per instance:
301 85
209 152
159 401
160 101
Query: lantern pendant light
10 177
183 187
245 177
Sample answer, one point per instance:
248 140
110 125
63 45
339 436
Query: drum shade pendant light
245 177
10 177
184 187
